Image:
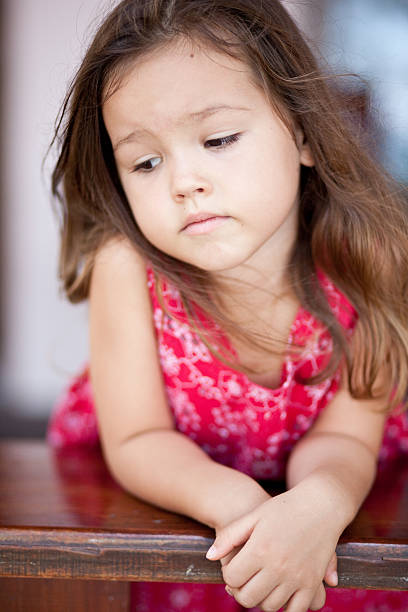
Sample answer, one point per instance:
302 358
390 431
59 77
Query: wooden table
63 517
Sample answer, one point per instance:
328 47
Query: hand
280 552
330 577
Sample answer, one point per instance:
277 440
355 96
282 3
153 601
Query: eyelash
225 141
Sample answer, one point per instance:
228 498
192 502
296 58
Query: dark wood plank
62 515
373 551
35 595
108 556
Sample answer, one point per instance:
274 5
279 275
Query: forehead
169 83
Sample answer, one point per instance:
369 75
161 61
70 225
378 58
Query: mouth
203 223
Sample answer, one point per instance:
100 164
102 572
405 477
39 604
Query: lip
202 222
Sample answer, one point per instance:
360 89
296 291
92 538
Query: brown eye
220 143
146 166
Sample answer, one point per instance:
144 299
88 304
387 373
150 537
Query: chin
218 263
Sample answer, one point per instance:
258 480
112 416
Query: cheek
150 220
269 175
138 207
138 199
143 217
284 166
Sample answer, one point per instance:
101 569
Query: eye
222 142
148 165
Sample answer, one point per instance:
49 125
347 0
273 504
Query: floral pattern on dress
236 419
238 423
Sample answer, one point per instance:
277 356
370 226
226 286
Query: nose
187 183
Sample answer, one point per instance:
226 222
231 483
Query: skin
265 544
180 166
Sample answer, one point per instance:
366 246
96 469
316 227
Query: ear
305 154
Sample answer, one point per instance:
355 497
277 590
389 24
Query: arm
166 468
143 450
288 541
338 456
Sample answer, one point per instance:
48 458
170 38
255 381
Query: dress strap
342 308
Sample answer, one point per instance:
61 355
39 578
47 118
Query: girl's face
195 139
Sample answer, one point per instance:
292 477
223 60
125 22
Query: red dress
238 423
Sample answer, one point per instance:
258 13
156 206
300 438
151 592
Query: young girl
245 263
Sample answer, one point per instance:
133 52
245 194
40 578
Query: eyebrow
195 116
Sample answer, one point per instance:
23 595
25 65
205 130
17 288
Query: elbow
334 451
129 461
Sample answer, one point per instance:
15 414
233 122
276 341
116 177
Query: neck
254 284
248 296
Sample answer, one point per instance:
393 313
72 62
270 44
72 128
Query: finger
241 568
231 536
331 577
300 601
225 560
277 598
318 599
254 591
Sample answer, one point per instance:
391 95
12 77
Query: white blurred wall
45 339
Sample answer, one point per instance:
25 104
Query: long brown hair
352 221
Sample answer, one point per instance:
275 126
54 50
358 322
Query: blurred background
43 339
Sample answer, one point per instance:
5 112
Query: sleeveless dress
238 423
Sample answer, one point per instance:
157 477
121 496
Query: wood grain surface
63 516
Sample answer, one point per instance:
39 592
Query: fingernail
211 552
229 591
334 577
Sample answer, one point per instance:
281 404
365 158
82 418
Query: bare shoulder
118 282
117 255
124 365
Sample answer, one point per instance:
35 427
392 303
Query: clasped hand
278 554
